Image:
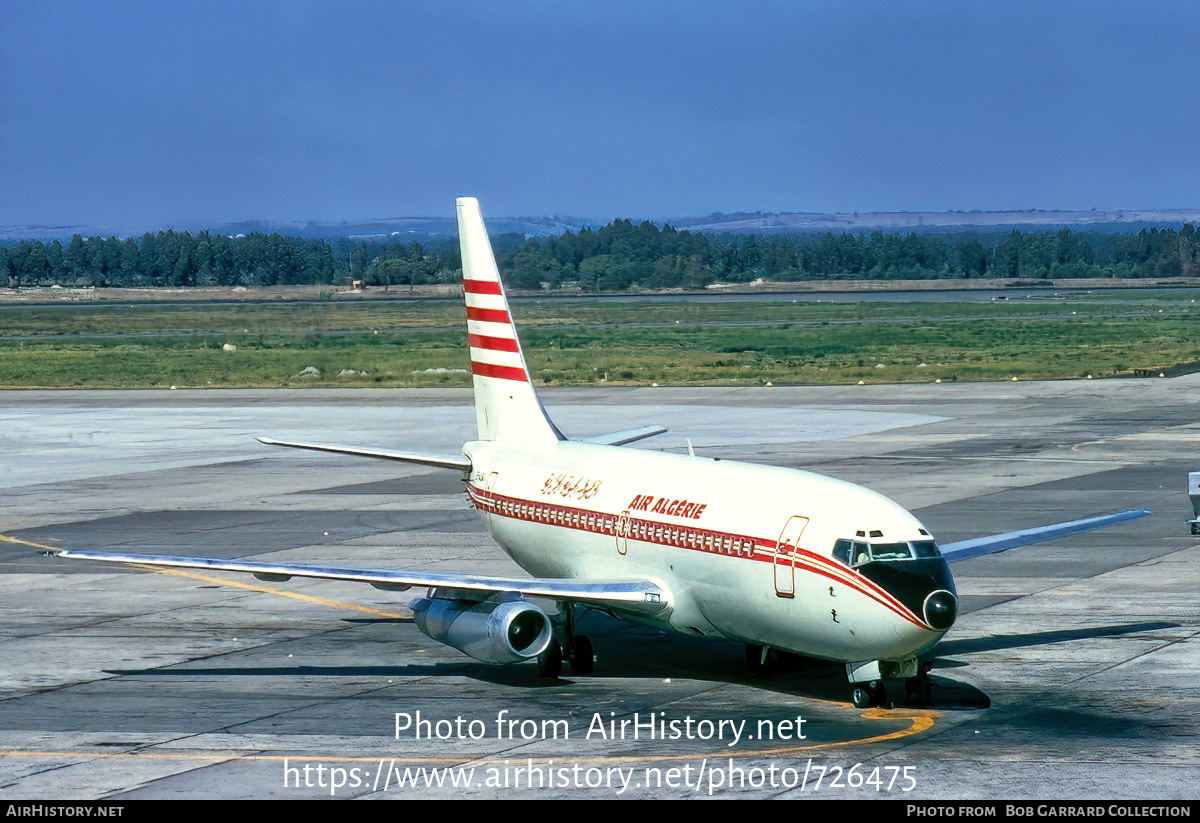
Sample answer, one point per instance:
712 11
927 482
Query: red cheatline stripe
481 286
605 524
482 341
503 372
487 315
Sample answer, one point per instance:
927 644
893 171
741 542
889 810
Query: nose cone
924 586
941 607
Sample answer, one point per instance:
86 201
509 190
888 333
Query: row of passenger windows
556 516
856 553
689 538
635 529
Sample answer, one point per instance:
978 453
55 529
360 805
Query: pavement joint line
117 675
1172 642
999 459
323 601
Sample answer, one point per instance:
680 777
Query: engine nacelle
506 632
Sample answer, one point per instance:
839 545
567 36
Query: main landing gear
575 650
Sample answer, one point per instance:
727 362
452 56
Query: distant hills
425 228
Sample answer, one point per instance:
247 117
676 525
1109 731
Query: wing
444 461
640 596
975 547
448 461
627 436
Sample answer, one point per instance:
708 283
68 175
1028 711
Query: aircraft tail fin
506 405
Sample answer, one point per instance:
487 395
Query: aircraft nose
941 607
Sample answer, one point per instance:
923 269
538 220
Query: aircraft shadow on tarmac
1016 641
637 653
623 651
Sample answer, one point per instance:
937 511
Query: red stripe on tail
503 372
482 341
487 315
481 286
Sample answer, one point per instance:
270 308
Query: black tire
583 657
919 690
550 662
880 695
861 698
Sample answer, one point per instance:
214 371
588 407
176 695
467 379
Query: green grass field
421 343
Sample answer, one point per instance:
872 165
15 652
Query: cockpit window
841 551
851 552
890 551
856 553
925 548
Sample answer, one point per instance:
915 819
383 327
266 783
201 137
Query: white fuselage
745 551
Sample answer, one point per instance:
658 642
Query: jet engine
506 632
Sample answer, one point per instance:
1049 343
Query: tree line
619 256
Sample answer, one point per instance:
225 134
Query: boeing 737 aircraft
778 559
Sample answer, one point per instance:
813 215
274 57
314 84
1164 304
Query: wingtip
1129 514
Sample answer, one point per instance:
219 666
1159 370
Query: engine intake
506 632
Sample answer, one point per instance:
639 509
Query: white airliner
778 559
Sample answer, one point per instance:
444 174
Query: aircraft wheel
861 698
550 661
583 658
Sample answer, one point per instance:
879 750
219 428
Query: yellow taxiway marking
919 721
220 581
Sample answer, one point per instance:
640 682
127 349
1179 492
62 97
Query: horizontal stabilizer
978 546
629 595
444 461
627 436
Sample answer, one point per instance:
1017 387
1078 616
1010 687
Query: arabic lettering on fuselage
568 485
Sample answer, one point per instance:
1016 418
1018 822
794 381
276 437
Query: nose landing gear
871 694
868 682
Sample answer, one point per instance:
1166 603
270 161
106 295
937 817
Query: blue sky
157 113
